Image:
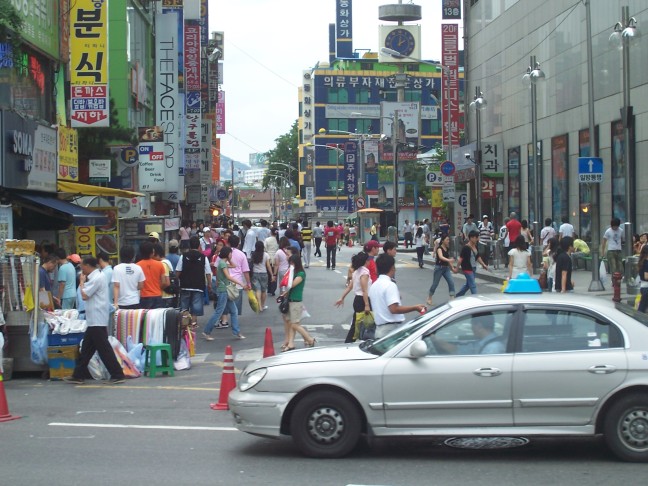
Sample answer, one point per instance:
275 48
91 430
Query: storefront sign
99 170
29 154
350 173
451 9
85 240
151 169
344 28
220 113
40 24
169 110
89 63
68 154
492 158
205 151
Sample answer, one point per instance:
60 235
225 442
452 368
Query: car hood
341 352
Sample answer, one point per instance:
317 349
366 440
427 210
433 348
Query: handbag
284 303
233 291
542 280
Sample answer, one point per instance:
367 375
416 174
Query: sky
268 43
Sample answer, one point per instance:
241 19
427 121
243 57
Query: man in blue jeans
468 259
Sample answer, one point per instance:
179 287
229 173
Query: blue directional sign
447 168
590 169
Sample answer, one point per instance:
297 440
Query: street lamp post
477 104
625 32
448 129
531 77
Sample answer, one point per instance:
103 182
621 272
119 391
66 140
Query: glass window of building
338 95
341 124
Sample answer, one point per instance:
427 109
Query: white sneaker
265 307
207 337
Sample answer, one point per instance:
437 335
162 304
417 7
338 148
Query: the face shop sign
30 154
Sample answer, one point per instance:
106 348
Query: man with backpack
194 273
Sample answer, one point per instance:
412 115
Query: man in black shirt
563 279
468 259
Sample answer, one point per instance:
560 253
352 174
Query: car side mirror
418 349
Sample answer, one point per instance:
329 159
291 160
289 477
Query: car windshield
634 313
397 336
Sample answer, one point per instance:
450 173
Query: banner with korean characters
68 154
93 239
151 170
89 63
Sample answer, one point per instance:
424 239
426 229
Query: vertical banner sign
560 177
450 59
220 113
151 149
168 107
344 28
204 22
514 180
68 154
192 97
619 159
205 152
309 167
351 173
89 63
215 152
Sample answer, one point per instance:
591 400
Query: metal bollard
616 286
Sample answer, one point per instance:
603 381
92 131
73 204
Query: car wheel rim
633 430
325 425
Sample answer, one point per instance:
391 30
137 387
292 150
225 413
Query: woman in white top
419 243
281 259
519 258
360 284
260 271
272 246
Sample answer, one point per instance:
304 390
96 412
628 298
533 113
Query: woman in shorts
292 320
260 270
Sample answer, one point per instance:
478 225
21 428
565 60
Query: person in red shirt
513 227
331 235
372 248
151 293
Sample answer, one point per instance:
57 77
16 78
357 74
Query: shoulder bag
233 291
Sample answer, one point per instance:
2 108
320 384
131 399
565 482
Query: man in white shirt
385 298
547 233
407 234
613 240
94 291
565 229
128 279
250 238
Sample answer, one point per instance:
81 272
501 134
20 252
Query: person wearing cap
206 241
371 248
154 237
173 256
151 293
485 238
67 278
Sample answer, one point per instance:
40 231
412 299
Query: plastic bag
129 368
190 339
604 277
38 344
254 303
365 326
305 312
184 361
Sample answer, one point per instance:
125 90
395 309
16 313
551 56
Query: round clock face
400 40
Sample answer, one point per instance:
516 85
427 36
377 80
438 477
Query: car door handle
602 369
487 372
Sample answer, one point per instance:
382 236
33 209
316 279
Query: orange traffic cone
268 346
228 381
5 416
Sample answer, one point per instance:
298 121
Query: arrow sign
590 169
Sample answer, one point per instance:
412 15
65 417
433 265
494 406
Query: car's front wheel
626 428
325 424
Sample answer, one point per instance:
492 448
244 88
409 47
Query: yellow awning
88 190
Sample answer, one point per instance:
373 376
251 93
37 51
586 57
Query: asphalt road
162 430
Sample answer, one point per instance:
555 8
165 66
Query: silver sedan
532 365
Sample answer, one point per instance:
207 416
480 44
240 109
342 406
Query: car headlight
249 380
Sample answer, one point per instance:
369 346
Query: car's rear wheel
626 428
325 424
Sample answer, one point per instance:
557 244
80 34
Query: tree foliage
286 152
95 142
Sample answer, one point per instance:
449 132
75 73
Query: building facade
501 36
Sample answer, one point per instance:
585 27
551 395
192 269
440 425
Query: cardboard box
62 360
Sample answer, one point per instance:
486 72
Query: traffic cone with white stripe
5 416
268 346
228 381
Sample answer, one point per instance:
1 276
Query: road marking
152 387
318 326
69 437
153 427
105 411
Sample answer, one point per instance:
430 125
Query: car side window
565 330
478 333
